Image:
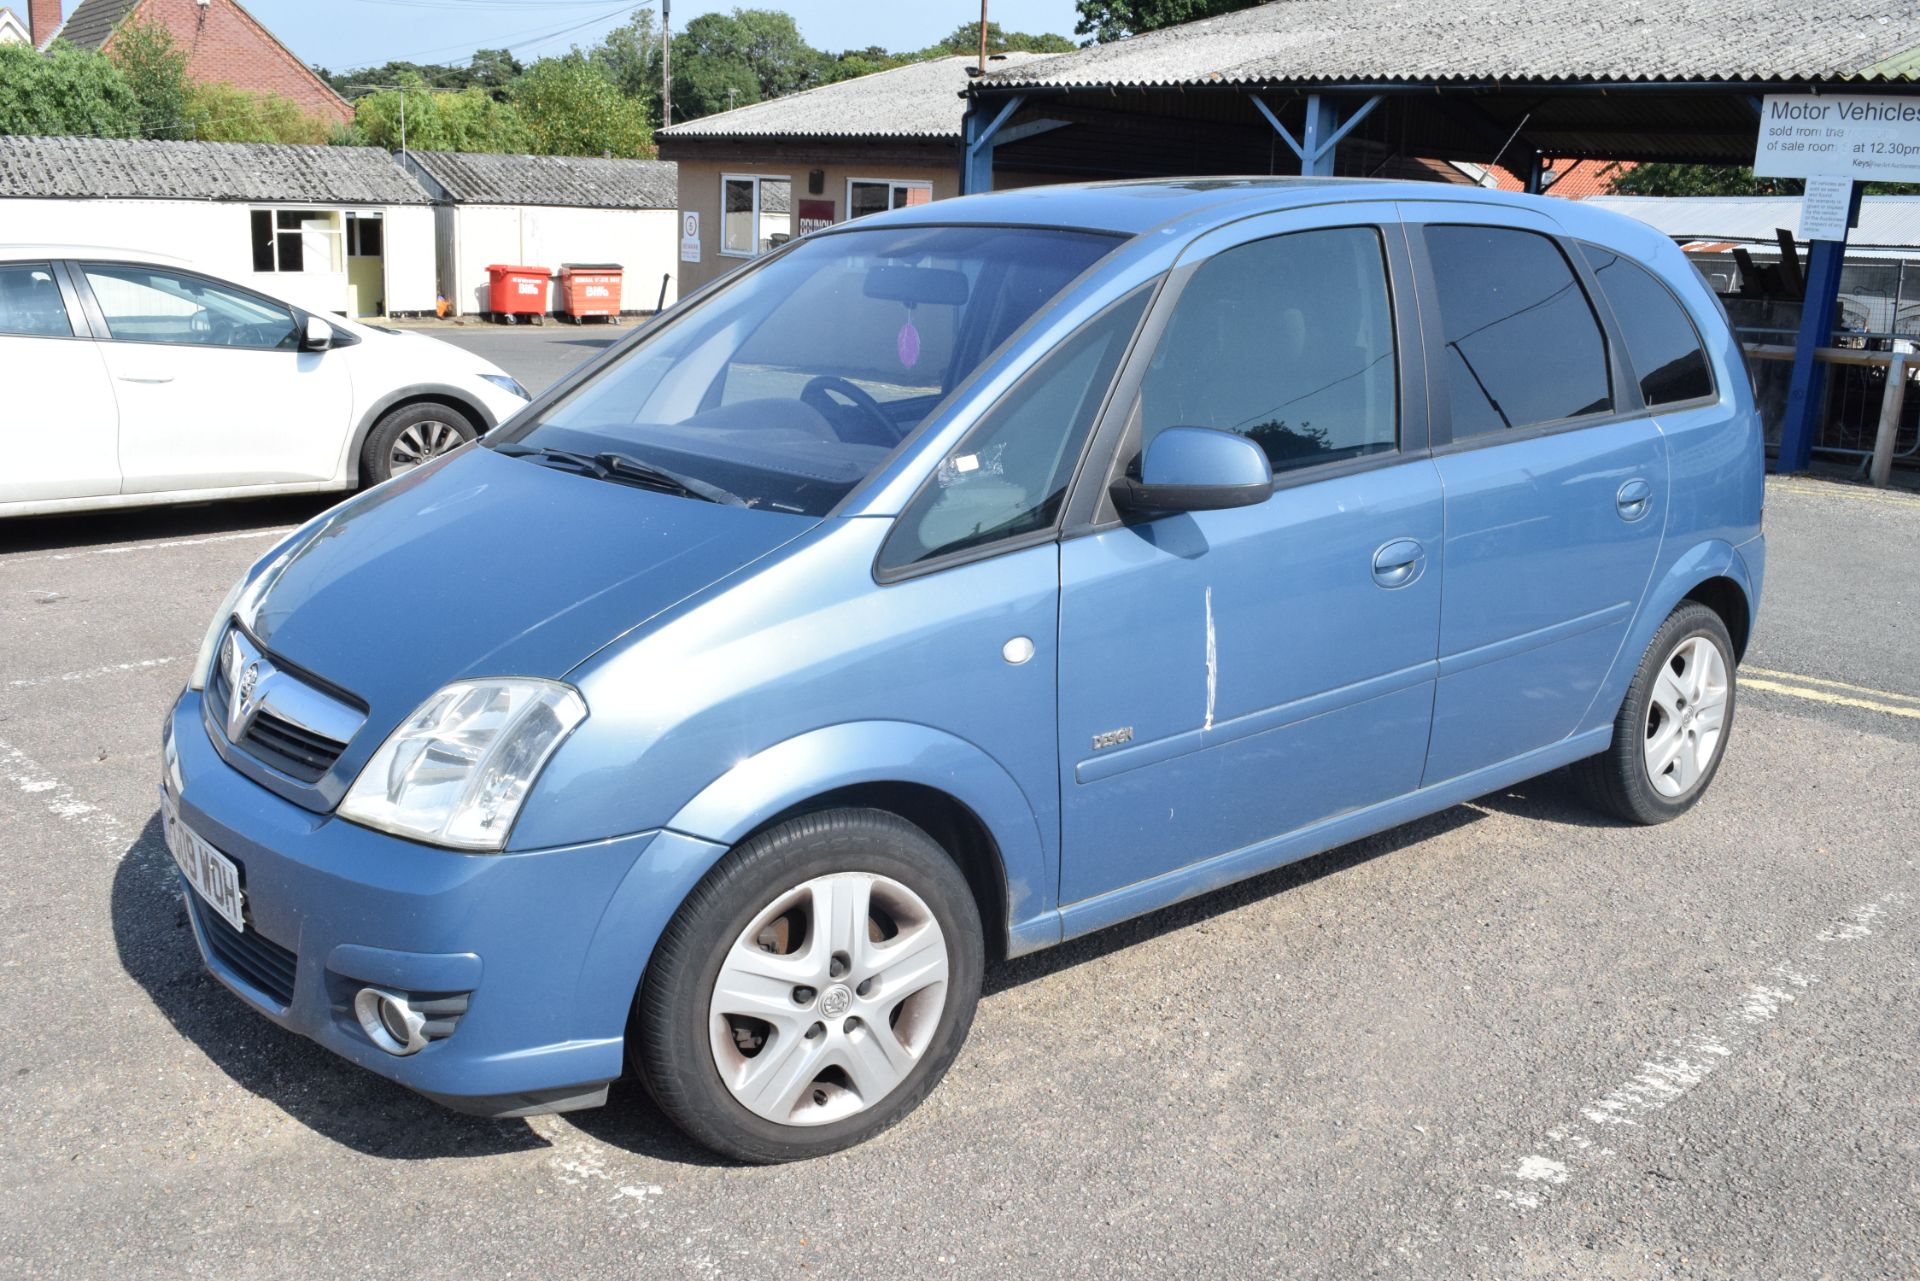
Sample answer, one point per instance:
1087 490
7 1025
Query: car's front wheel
410 436
1672 729
812 989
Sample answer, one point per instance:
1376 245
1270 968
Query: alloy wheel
1685 716
422 442
828 998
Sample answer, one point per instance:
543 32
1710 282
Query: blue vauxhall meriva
947 584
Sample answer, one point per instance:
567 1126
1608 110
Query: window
296 240
31 303
1009 475
1523 346
877 195
1288 341
792 383
144 304
1661 340
364 236
756 214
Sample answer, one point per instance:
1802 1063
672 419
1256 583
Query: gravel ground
1510 1040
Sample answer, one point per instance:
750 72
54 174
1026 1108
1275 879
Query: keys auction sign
1858 136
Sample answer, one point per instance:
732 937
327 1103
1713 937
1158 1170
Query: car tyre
412 435
1672 729
794 924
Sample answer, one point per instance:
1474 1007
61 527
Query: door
213 389
1229 676
1555 480
59 426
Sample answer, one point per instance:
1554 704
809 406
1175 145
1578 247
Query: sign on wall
1867 138
814 215
690 235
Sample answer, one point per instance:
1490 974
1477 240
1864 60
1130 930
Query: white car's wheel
411 436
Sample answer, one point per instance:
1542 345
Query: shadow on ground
364 1112
99 530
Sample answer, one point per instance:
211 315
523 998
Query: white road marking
1667 1076
112 669
582 1163
151 547
30 778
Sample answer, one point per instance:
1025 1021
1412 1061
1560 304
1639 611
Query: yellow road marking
1885 497
1828 696
1821 680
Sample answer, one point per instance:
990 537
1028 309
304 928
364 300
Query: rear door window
1661 340
31 303
1522 345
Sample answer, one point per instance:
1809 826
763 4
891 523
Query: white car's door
58 420
214 391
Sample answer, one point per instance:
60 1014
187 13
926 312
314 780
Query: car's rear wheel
812 989
1671 732
411 436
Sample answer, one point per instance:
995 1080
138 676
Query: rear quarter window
1663 344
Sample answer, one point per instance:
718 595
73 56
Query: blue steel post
1316 140
1801 425
976 165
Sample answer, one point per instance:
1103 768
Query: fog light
390 1021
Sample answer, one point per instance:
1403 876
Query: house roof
585 182
1421 42
132 168
919 100
1577 180
1886 222
92 21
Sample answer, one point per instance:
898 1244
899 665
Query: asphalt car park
1510 1040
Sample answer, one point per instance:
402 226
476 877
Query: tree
571 109
965 38
758 53
1701 180
66 91
469 120
155 69
226 113
493 70
1106 20
629 56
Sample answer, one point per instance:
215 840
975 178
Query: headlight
456 771
203 661
505 383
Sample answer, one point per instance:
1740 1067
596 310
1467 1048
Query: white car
130 378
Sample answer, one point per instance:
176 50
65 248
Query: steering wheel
815 396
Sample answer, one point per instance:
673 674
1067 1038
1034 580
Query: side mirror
1191 469
317 336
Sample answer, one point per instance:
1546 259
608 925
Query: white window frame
755 179
337 235
892 185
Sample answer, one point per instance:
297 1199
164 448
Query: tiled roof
920 100
92 21
1425 41
130 168
1578 179
584 182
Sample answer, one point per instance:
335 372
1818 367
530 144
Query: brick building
223 43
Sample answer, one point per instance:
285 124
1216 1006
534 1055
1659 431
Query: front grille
278 743
255 959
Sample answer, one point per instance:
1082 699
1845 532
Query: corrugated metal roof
921 100
1423 41
1886 222
132 168
584 182
92 21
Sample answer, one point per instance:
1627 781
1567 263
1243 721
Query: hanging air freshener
907 342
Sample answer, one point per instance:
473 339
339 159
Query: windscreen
787 388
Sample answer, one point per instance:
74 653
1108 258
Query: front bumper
333 907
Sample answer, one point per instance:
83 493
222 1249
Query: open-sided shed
1332 88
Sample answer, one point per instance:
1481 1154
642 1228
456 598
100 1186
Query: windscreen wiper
629 470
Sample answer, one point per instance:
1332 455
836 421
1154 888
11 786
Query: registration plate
211 873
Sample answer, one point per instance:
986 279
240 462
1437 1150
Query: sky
341 34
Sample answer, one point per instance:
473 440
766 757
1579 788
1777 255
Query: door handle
1635 499
125 379
1399 563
